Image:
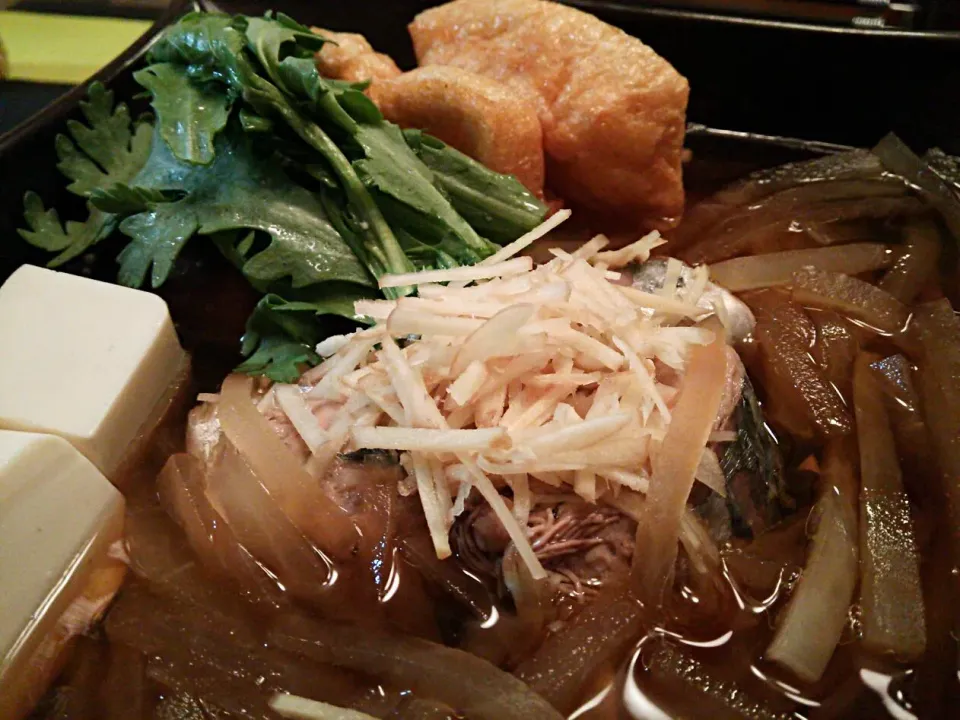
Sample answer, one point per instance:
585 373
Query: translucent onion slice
675 466
760 271
822 598
891 597
850 296
567 660
289 484
474 687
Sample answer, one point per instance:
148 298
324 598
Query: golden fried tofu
352 58
491 122
613 112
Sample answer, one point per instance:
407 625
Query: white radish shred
290 400
516 266
710 473
525 241
517 373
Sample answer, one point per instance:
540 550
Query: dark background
827 82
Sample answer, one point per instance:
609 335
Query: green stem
394 258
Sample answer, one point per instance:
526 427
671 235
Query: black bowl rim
58 111
66 104
701 16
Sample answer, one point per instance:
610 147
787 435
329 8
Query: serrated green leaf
281 334
393 169
273 40
47 233
158 237
189 115
109 149
238 191
278 358
497 206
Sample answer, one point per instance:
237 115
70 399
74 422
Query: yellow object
63 48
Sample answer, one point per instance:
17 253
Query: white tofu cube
84 360
59 517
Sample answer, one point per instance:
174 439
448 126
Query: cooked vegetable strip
939 382
565 661
890 592
473 686
917 263
386 438
674 469
914 443
294 706
848 295
527 239
316 515
760 271
800 397
516 266
822 599
705 687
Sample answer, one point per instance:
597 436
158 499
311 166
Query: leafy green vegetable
239 190
111 149
498 206
281 334
108 150
296 179
278 341
47 233
189 115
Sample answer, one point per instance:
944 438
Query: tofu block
84 360
60 519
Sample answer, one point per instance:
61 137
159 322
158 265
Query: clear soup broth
816 575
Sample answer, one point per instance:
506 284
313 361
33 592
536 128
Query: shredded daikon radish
516 266
634 481
327 347
522 498
516 372
585 485
290 400
432 509
638 251
399 438
524 241
469 382
671 278
591 248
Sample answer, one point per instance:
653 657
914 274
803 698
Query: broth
183 642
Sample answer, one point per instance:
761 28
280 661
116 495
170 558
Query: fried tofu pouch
613 112
348 56
491 122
